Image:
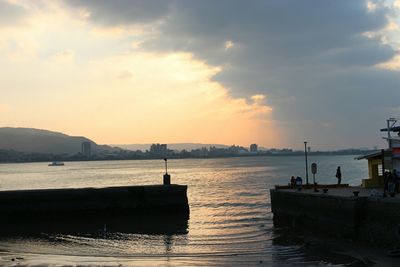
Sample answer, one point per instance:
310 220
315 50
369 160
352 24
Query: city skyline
273 73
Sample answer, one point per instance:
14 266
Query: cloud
310 57
319 62
10 14
64 55
120 12
178 104
124 75
229 44
393 64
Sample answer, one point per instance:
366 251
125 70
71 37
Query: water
230 216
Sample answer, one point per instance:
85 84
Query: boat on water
56 163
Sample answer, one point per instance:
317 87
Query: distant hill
43 141
175 146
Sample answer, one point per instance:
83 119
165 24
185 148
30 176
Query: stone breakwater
366 217
81 202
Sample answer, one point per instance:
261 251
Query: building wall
86 149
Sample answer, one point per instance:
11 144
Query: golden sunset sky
122 72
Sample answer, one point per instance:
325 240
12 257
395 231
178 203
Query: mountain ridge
34 140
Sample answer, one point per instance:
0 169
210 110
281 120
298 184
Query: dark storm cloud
309 57
10 14
275 36
118 12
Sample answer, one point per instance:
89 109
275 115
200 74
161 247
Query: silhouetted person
292 182
385 182
396 179
299 183
338 175
391 185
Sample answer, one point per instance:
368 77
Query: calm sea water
230 216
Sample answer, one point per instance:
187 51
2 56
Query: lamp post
305 154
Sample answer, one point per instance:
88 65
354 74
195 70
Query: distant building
159 149
253 148
236 150
200 152
86 149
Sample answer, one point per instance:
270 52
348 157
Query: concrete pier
367 217
83 202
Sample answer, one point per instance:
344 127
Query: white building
393 138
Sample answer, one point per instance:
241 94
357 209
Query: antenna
391 122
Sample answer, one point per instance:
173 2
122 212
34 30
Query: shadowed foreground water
230 217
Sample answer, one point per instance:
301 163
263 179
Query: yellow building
378 162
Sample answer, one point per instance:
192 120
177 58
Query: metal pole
389 126
383 171
305 153
166 170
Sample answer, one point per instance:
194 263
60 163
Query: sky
276 73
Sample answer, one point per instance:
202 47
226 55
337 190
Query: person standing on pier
299 183
292 182
338 175
396 178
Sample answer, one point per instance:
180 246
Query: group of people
295 182
391 182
